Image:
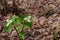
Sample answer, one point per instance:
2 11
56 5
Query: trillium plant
19 23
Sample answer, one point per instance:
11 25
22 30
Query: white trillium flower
9 21
28 18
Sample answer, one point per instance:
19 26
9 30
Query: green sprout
20 22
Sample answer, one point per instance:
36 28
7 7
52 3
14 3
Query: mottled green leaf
22 35
19 28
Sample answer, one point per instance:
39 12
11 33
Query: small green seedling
19 22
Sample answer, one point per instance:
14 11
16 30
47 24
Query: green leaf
8 28
22 35
19 28
21 16
18 21
28 24
13 18
32 18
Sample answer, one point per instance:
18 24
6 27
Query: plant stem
22 27
17 33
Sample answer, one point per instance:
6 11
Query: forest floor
46 25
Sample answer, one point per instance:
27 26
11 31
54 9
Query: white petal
29 17
28 20
9 22
25 18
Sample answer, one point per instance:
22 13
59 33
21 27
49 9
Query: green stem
22 29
